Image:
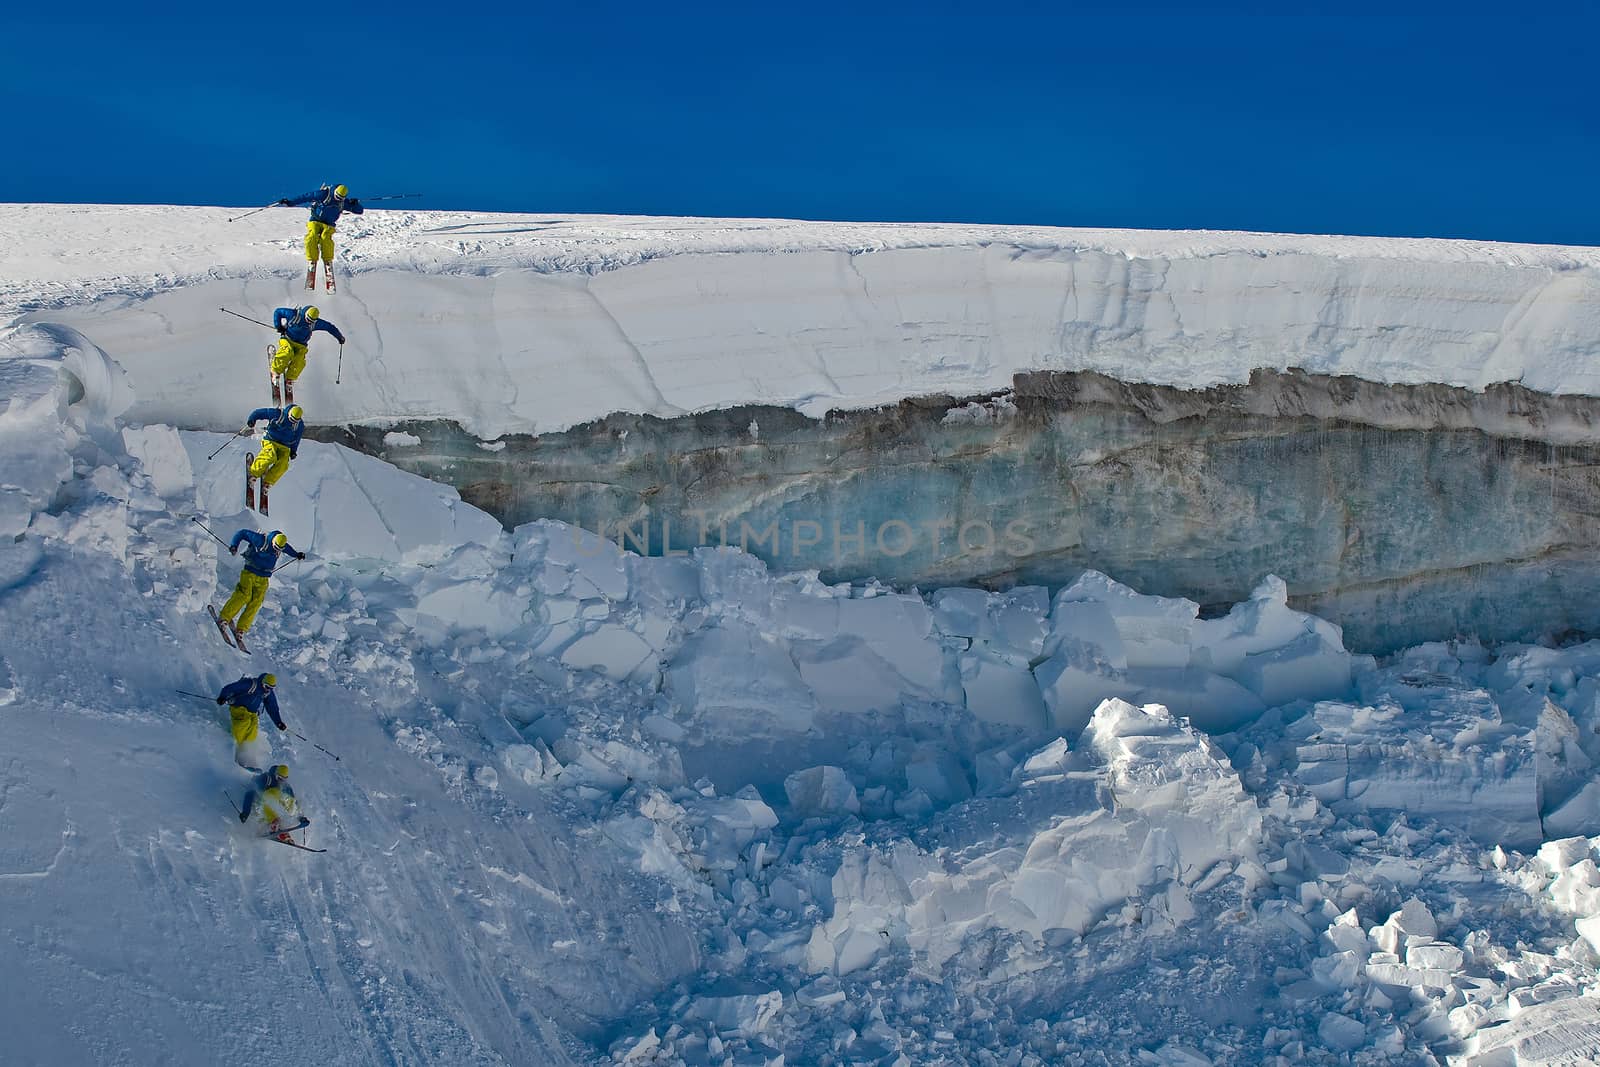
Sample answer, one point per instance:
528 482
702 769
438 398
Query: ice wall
1404 513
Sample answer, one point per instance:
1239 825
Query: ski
272 835
288 392
296 844
327 274
221 627
272 380
238 639
249 483
311 276
263 498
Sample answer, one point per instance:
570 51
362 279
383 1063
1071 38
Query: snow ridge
569 319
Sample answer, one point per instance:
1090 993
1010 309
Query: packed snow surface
591 807
526 323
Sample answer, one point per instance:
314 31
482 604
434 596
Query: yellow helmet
341 191
295 412
281 770
269 680
312 314
279 540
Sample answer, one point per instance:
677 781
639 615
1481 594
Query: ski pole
392 196
231 804
247 214
208 530
313 744
197 696
281 566
340 369
225 444
247 318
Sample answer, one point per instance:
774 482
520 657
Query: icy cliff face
1405 513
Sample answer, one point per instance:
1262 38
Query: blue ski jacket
252 695
293 324
280 427
260 557
325 207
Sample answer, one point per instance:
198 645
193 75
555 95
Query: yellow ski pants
319 236
277 806
248 594
269 466
245 724
289 359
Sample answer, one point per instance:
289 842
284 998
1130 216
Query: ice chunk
1341 1032
738 1015
160 452
730 673
1211 702
821 791
998 691
1308 668
1074 681
937 773
612 650
1155 631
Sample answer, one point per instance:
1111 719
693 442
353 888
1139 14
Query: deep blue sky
1443 124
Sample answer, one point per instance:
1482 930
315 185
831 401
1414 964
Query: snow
592 807
551 322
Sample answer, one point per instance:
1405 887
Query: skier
326 207
285 427
295 327
246 699
279 809
260 560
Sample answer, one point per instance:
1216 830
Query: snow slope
593 807
521 323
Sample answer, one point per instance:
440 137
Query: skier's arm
230 692
249 805
272 709
354 207
324 324
281 317
258 414
255 540
303 198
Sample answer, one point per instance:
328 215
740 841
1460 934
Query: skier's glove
220 702
233 551
299 555
285 202
282 726
243 816
353 205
